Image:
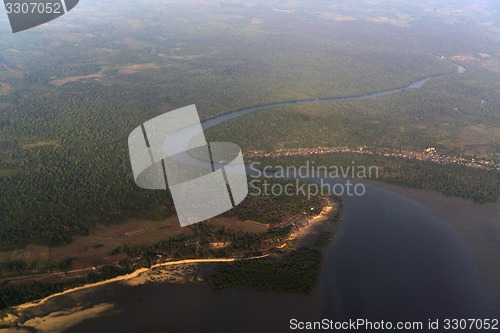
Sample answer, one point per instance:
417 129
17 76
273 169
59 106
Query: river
240 112
394 259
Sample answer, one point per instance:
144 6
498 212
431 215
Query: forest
457 115
71 96
71 93
197 243
297 272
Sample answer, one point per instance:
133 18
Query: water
394 260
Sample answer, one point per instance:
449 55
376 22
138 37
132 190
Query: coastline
120 278
182 296
174 273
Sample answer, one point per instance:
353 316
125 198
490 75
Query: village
429 154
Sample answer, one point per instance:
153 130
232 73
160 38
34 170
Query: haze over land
73 89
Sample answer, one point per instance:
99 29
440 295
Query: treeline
297 272
270 208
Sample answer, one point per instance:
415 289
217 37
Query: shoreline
297 239
314 301
120 278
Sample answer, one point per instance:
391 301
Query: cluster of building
302 151
429 154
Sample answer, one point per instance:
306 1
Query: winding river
240 112
394 259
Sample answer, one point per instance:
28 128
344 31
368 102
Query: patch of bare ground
60 82
6 88
94 249
477 139
132 69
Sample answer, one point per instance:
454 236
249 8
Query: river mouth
394 259
398 258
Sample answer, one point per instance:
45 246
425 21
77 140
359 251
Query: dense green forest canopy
71 92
